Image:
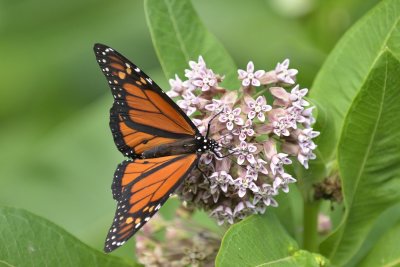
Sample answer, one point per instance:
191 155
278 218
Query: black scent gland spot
145 162
145 141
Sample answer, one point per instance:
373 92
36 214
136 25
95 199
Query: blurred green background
57 157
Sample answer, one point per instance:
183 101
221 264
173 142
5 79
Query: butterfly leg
201 171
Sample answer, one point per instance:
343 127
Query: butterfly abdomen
185 146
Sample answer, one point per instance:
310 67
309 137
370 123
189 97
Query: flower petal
242 192
250 67
255 82
246 82
259 73
229 125
251 115
242 74
261 116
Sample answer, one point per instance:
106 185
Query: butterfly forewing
142 116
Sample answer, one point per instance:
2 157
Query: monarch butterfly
162 143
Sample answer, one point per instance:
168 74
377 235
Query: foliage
28 240
265 243
57 147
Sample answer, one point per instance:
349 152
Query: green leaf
262 241
350 63
386 252
29 240
290 212
387 220
179 36
369 158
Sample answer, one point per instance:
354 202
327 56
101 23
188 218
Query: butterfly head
204 144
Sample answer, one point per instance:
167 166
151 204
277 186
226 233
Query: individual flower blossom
296 96
243 209
195 67
244 131
249 76
188 103
306 146
295 115
265 194
178 87
307 118
215 105
231 117
222 214
243 184
201 125
258 167
324 224
226 139
220 180
283 182
218 105
257 108
246 152
277 162
284 74
205 80
282 126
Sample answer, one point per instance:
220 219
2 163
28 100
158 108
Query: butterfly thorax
199 144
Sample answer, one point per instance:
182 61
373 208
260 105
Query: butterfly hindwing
142 116
141 187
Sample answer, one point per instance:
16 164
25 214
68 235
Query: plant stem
310 222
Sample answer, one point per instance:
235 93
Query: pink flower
177 87
195 68
265 194
188 103
201 125
231 117
296 96
283 129
283 182
205 79
284 74
244 183
250 77
306 146
258 167
257 107
246 152
226 139
277 162
282 126
222 214
220 180
244 131
215 105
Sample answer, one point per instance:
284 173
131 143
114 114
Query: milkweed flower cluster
259 137
184 248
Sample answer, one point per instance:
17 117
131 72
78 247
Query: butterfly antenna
209 123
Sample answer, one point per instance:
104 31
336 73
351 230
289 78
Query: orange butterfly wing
142 116
141 187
